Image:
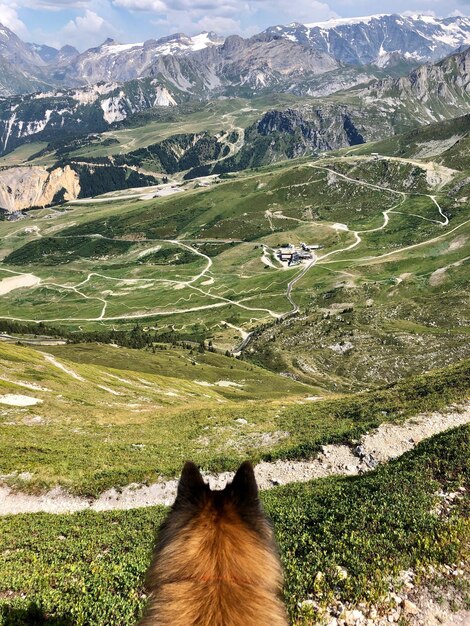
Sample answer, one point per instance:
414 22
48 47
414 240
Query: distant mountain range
284 58
381 40
431 92
71 94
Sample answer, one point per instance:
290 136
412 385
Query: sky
87 23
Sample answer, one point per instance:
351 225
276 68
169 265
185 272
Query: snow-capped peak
345 21
178 43
381 39
116 48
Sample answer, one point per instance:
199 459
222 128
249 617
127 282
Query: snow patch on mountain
383 40
343 21
112 111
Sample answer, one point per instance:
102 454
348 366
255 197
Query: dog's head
217 541
235 506
240 497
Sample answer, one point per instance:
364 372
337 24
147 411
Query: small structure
308 247
288 255
293 255
14 216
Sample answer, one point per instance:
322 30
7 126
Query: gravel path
387 442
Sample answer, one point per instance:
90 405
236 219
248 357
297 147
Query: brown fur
215 563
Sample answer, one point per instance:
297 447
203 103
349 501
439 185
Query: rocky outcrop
291 133
316 128
427 81
430 93
26 187
32 187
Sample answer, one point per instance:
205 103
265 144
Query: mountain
283 58
22 69
53 56
76 111
113 61
430 93
383 40
201 65
384 107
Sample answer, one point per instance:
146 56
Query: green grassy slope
394 237
88 568
117 416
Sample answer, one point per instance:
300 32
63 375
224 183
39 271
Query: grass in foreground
87 439
88 568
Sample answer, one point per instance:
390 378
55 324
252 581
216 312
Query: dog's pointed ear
244 487
191 485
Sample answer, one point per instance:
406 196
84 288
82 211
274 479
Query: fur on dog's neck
216 562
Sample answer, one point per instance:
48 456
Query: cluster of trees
137 338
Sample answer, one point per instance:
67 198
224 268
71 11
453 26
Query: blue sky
85 23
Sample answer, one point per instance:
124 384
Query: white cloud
227 16
9 18
55 5
91 22
300 11
141 5
85 29
218 24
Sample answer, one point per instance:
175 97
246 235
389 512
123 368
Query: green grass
288 202
88 568
136 416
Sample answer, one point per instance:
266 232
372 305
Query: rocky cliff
430 93
31 187
25 187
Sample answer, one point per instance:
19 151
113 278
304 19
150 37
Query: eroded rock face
26 187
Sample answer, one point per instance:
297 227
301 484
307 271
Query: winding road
222 301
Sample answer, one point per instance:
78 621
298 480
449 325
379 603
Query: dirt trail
387 442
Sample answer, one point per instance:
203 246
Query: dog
215 562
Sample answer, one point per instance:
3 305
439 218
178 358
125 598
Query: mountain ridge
207 63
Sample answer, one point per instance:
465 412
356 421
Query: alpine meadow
250 252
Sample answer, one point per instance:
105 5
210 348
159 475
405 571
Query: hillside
253 135
210 407
230 248
201 254
76 112
370 546
443 142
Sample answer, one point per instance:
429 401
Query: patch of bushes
57 251
88 568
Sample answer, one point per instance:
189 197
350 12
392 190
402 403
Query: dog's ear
191 486
244 487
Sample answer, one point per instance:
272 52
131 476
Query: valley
229 248
182 261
